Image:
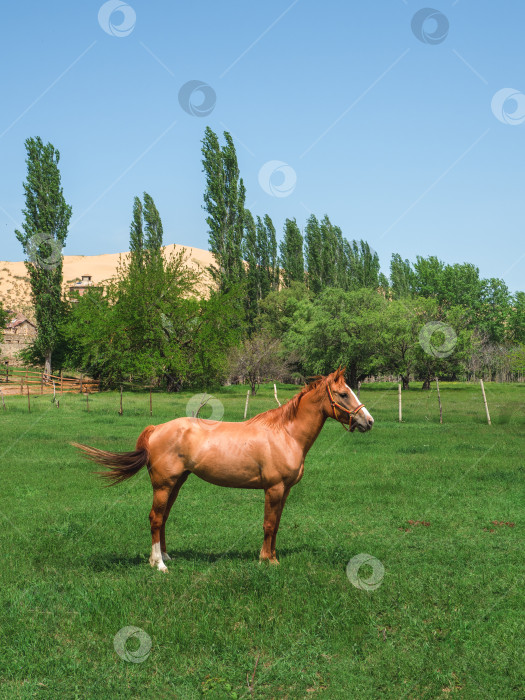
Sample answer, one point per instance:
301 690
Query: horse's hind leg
171 500
156 518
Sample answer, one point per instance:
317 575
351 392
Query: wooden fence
17 380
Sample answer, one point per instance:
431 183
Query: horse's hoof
166 556
269 560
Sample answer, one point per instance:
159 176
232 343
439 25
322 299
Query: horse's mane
277 417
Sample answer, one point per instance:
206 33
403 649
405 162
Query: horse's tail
122 465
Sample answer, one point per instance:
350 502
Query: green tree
265 272
517 318
460 285
271 237
331 254
401 277
153 327
136 235
253 272
153 231
314 254
495 310
428 277
338 328
399 331
363 266
45 227
278 308
224 200
291 249
445 343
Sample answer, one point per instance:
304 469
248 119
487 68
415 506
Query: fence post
42 384
485 401
275 394
246 404
439 399
61 382
28 399
400 406
81 381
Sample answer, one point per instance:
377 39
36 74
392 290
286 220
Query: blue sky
394 137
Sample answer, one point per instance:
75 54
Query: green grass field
447 618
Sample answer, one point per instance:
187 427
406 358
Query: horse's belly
240 477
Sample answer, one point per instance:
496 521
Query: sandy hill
15 292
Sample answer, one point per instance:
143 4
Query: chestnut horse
266 452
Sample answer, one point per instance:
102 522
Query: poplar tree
224 199
314 254
45 228
273 255
401 277
153 231
363 266
251 256
291 249
136 236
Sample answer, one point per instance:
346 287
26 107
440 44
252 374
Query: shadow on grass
105 561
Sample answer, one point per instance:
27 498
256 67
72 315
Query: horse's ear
339 372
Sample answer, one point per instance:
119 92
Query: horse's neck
308 423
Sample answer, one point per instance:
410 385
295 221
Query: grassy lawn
447 618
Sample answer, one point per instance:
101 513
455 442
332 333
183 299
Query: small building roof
18 320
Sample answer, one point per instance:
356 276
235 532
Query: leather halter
336 405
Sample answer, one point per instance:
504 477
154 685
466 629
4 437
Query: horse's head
344 406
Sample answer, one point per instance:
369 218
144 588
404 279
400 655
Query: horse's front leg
276 528
272 511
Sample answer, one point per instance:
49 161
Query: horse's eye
344 396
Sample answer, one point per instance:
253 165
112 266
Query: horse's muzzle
362 423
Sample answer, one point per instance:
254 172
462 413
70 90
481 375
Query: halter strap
336 405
